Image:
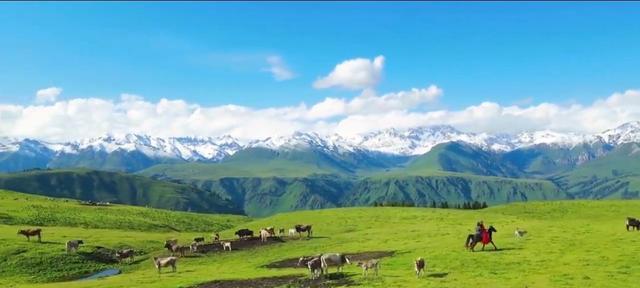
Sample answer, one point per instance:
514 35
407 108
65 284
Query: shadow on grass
438 275
499 250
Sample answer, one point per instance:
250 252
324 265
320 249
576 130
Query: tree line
475 205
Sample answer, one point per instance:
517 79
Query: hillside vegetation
570 244
90 185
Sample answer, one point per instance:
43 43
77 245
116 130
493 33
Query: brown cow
303 228
30 233
420 266
182 250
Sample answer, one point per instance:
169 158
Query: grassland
570 244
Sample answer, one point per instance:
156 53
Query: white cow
165 262
337 259
519 233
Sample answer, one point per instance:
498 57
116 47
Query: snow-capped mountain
300 140
626 133
417 141
185 148
407 142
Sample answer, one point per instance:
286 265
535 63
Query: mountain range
309 171
133 152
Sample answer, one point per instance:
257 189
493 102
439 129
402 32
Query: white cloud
278 68
369 103
91 117
48 94
354 74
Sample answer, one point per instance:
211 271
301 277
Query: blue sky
504 52
215 53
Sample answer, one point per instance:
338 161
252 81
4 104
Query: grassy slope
254 162
615 175
115 187
571 244
460 158
452 187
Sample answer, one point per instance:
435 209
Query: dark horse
472 240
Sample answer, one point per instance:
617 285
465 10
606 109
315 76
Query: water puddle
101 274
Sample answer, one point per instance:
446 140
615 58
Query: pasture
569 244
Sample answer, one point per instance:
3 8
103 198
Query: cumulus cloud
279 69
48 94
353 74
90 117
369 103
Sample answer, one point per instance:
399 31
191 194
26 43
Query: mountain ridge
134 152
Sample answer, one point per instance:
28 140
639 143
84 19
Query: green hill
453 188
569 244
90 185
461 158
545 160
119 160
615 175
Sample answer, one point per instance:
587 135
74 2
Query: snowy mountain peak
412 141
625 133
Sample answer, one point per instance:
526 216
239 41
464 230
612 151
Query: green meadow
569 244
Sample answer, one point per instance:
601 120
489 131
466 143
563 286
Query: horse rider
480 230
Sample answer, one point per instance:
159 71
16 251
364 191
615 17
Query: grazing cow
292 232
420 265
165 262
281 232
519 233
182 250
216 237
194 246
30 233
73 245
373 264
315 268
303 228
125 254
171 242
337 259
244 233
225 245
264 235
303 260
633 223
198 239
271 230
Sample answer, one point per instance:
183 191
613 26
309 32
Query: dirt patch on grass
332 280
353 257
238 244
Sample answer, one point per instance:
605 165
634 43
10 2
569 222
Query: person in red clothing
485 235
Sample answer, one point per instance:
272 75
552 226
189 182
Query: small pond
101 274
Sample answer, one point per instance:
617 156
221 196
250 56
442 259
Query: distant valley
309 171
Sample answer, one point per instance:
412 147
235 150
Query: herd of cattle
317 265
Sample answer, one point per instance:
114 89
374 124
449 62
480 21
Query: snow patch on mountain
406 142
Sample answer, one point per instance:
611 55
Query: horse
30 233
472 240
